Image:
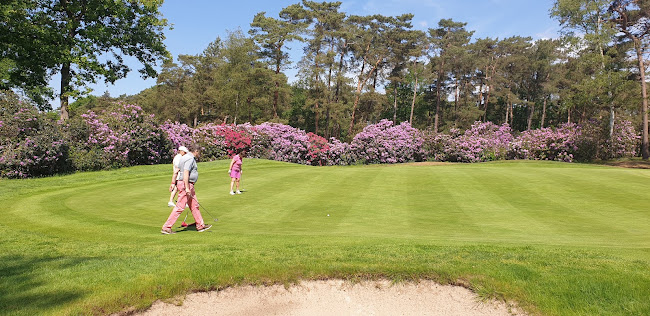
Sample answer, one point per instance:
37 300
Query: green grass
559 239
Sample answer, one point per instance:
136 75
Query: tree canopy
353 70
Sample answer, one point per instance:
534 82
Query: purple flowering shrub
210 137
547 143
222 141
178 134
118 137
286 143
623 143
339 153
482 142
387 143
217 141
31 144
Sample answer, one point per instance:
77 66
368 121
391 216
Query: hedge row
32 144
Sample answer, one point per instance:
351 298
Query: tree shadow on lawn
26 289
629 163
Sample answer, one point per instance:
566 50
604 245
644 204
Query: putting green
557 238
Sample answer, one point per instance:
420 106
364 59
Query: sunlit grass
559 239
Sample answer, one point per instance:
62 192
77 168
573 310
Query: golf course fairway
555 238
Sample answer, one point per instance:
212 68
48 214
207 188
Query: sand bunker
336 297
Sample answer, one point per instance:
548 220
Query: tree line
355 70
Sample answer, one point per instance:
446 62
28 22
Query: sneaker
171 204
232 193
205 227
167 231
238 192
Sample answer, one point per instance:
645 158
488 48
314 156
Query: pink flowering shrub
623 143
286 143
178 134
339 153
317 150
117 137
31 145
387 143
222 141
548 143
482 142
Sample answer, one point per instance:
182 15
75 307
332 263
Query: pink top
237 164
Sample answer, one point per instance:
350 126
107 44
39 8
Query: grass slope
560 239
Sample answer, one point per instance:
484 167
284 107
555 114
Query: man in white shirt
186 194
175 176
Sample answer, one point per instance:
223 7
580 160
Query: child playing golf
235 171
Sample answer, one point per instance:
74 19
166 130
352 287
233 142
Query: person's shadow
188 228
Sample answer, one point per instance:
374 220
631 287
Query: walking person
186 194
182 150
235 171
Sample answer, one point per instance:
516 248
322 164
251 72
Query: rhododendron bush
30 143
120 136
482 142
33 145
387 143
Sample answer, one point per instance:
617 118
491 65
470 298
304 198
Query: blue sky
196 23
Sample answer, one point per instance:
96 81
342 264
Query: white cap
183 148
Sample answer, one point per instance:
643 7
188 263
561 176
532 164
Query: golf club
184 224
201 206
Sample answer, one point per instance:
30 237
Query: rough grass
558 239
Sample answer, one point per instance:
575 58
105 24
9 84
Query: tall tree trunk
360 84
456 97
507 109
395 104
512 113
489 89
276 93
612 119
645 148
329 102
65 88
338 74
356 97
249 101
544 112
415 91
530 116
65 67
480 99
276 96
436 120
487 100
317 116
236 110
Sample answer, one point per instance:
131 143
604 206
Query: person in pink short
235 172
186 194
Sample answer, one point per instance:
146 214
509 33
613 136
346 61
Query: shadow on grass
189 228
627 163
27 286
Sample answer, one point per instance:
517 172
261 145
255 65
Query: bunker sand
337 297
